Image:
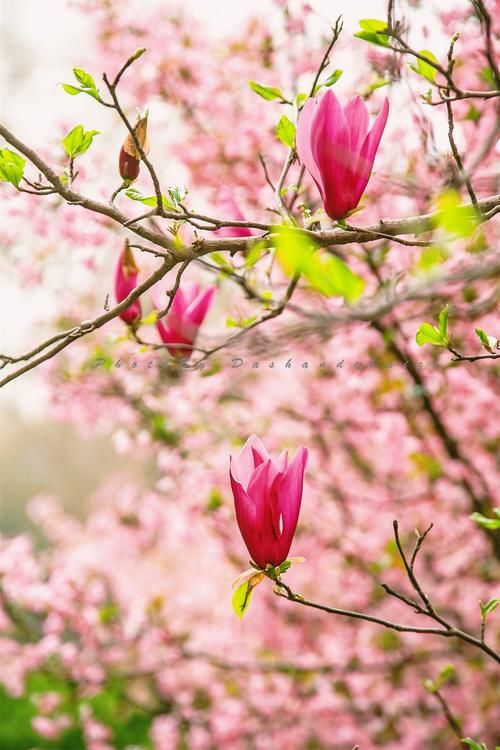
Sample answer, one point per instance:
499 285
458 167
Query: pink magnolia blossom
338 150
125 282
267 497
230 209
182 322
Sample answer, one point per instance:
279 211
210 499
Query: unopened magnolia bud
125 282
130 157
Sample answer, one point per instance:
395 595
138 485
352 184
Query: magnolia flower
338 150
126 282
181 324
130 158
229 209
267 496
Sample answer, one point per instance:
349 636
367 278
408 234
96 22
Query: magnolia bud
130 158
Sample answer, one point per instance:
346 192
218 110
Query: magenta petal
200 306
331 149
245 516
290 496
368 152
245 463
125 283
356 114
303 140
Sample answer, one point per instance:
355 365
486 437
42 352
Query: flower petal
199 307
331 149
368 152
303 139
250 456
290 496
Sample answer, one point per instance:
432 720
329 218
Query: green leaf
148 200
73 90
177 194
255 254
332 78
489 607
489 342
377 84
426 464
445 674
424 68
78 140
84 79
150 319
430 257
11 166
373 24
485 522
220 260
286 132
455 218
487 76
428 334
473 744
241 598
443 323
372 31
214 500
298 254
473 114
87 84
266 92
483 336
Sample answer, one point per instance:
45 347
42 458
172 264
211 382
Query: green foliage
445 675
298 254
430 257
373 31
161 431
243 323
241 598
86 84
488 76
473 114
487 523
11 166
254 254
455 218
490 343
214 500
437 336
78 141
488 607
267 92
473 744
330 81
424 68
285 132
426 464
176 195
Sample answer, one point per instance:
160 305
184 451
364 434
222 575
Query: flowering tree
257 300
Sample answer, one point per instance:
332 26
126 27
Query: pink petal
331 149
303 139
356 114
251 455
200 306
368 152
290 497
246 517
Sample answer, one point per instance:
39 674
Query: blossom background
120 543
